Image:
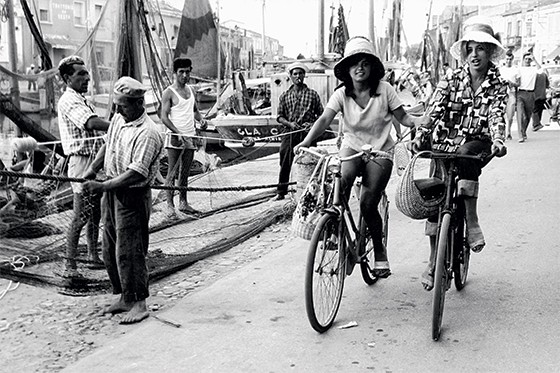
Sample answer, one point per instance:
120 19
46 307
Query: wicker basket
408 199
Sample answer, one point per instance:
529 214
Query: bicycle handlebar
484 158
366 150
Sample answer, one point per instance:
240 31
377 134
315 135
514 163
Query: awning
60 42
554 54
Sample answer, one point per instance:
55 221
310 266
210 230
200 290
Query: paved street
505 320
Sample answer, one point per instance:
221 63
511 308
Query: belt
526 90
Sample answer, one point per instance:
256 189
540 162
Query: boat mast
219 64
321 36
371 27
12 52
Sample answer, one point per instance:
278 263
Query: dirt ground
43 331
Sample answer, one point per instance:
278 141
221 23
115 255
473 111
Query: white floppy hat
297 65
478 31
354 46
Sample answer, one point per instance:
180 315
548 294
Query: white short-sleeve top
370 125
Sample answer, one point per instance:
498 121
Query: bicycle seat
430 188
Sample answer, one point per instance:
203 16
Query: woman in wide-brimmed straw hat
368 105
468 112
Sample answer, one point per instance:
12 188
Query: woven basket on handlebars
408 199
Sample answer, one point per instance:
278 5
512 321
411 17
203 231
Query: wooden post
371 27
12 52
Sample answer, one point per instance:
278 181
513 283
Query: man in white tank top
178 114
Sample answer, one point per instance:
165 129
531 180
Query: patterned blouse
300 106
461 115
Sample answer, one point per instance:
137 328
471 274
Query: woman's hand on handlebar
499 148
300 145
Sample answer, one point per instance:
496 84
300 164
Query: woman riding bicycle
468 111
367 105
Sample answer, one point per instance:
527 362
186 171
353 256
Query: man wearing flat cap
80 130
130 158
298 109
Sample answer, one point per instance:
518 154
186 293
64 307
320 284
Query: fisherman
80 129
178 113
298 108
130 159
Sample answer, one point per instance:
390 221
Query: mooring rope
193 189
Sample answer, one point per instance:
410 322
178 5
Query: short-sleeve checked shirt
300 106
462 115
73 113
135 145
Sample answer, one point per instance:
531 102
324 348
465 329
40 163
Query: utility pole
12 52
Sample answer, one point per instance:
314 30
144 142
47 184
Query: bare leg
76 225
173 166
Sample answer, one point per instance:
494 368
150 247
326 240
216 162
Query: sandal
475 239
381 269
428 279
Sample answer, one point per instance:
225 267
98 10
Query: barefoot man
130 158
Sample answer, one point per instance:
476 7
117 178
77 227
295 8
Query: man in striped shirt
130 159
80 129
298 109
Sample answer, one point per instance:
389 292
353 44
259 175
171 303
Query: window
100 56
79 13
518 29
509 30
529 27
45 12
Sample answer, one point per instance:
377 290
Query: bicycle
337 245
453 252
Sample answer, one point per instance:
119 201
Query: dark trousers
525 106
537 111
287 157
126 214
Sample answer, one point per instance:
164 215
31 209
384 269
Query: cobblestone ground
43 331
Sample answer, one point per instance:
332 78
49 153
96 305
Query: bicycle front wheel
325 273
461 251
440 277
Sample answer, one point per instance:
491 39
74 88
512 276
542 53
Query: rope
17 262
194 189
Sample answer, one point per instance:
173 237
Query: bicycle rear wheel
366 245
461 250
440 276
325 273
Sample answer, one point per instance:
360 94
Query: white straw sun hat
354 46
480 30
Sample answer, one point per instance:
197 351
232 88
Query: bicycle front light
334 166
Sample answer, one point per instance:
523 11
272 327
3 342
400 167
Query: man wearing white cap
298 109
80 128
130 158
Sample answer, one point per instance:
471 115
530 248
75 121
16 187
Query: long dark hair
377 73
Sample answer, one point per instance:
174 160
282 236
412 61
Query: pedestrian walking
510 74
298 108
368 105
468 112
178 113
526 94
130 159
80 128
31 83
541 86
